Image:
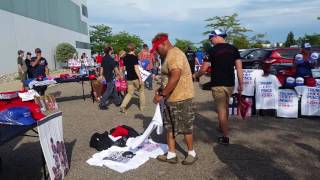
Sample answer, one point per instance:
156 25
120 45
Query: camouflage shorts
179 117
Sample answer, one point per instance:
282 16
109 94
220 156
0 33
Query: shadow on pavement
246 163
73 98
309 149
24 162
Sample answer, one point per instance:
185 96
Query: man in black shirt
192 59
108 68
134 79
39 65
29 67
224 58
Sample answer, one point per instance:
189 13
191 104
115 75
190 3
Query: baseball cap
157 42
17 116
299 58
37 50
299 81
314 56
290 82
306 46
217 32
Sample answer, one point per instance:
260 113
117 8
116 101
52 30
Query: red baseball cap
157 42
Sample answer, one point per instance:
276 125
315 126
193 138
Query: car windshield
258 54
244 53
288 53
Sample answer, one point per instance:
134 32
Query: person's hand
194 76
240 89
157 99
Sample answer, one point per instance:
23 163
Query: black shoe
223 140
101 107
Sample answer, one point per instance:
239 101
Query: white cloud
185 18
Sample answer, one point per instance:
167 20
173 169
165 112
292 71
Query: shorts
179 117
221 96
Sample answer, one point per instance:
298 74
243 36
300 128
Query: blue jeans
148 82
111 90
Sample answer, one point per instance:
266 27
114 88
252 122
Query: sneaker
123 110
189 160
101 107
163 158
223 140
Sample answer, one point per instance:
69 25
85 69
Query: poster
288 104
249 76
51 139
144 74
267 92
310 101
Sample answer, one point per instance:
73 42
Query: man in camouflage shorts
177 91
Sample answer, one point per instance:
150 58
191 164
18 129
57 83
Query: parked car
283 58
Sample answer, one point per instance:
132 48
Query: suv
284 58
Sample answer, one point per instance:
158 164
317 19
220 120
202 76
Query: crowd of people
31 67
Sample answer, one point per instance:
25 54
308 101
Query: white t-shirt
310 101
287 104
267 92
249 76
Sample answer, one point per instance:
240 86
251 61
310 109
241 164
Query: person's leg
142 97
128 96
106 94
189 141
116 97
171 142
223 121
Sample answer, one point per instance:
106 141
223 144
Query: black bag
100 141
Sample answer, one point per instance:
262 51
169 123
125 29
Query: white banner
144 74
310 101
51 139
267 92
249 76
288 104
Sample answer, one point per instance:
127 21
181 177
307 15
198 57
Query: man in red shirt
99 58
145 57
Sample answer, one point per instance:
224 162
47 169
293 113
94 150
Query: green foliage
229 24
99 35
290 40
206 45
184 44
102 34
121 40
313 39
241 42
64 52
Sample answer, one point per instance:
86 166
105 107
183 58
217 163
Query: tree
258 40
64 52
121 40
206 45
184 44
99 35
229 24
241 42
313 39
290 40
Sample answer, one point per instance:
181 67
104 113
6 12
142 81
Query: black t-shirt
223 57
130 61
108 64
40 68
191 55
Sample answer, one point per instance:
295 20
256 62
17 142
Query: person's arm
47 71
197 61
36 62
20 68
202 70
136 69
117 72
239 74
101 71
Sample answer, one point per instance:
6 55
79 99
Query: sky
185 19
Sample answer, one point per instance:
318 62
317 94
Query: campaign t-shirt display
267 92
288 104
249 76
130 61
40 68
310 101
223 57
108 64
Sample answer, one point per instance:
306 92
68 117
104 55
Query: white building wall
18 32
